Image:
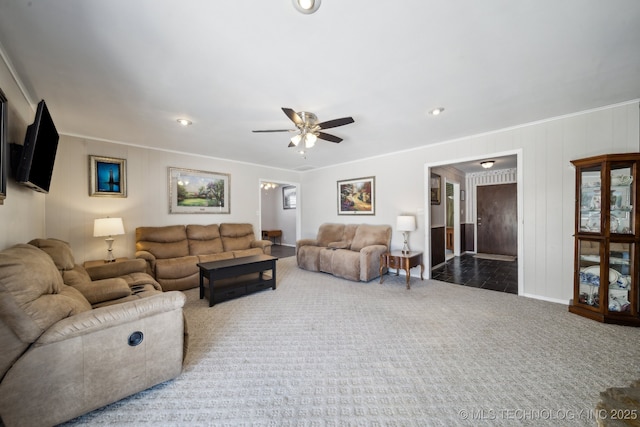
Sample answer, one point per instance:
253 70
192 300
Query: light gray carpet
321 351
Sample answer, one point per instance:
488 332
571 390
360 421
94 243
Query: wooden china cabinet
607 239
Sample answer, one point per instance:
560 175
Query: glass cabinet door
590 200
621 200
589 272
620 282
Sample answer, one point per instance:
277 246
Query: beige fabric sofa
61 358
173 252
350 251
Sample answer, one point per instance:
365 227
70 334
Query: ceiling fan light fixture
295 140
306 6
310 140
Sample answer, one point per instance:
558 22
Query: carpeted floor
321 351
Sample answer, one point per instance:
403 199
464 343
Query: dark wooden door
498 219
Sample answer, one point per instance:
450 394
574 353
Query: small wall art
108 177
289 197
357 196
435 189
194 191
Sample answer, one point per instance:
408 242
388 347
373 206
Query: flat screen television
35 165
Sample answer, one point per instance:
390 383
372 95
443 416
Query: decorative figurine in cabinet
607 239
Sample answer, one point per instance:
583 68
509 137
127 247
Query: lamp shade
107 227
406 223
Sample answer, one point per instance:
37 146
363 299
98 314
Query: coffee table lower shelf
228 279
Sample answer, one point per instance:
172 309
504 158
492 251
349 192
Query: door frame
520 200
298 203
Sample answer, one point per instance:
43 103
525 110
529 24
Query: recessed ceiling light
184 122
306 6
436 111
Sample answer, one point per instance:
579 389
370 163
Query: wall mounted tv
35 163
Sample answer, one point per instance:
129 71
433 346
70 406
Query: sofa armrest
370 261
150 260
102 318
306 242
262 244
104 290
116 269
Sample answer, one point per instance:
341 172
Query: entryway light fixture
268 185
436 111
184 122
306 6
487 164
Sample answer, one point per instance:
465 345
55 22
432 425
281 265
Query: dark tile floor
282 251
480 273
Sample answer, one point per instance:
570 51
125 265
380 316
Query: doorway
279 215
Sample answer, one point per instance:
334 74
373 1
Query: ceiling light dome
310 140
306 6
487 164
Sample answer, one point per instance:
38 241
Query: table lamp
406 223
108 227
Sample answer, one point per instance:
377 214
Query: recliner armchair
61 358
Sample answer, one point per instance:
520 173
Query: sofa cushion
32 294
163 242
204 239
176 268
328 233
367 235
236 236
76 276
58 250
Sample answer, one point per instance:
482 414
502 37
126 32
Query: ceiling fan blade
274 130
335 123
295 118
327 137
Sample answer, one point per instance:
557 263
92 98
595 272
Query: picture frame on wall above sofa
108 177
3 147
357 196
195 191
435 189
289 197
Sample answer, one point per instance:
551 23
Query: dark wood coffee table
231 278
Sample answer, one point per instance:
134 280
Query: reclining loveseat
350 251
67 350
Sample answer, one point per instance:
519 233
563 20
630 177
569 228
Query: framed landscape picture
108 177
289 197
194 191
357 196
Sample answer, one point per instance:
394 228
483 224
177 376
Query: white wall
23 211
70 211
548 186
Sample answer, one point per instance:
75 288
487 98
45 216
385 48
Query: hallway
488 274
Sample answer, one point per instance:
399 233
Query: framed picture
194 191
357 196
289 197
4 161
435 189
108 177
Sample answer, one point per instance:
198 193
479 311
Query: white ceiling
124 71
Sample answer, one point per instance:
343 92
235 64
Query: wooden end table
404 260
272 234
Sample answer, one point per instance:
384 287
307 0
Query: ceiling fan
309 129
